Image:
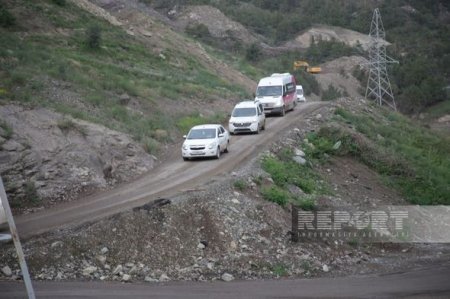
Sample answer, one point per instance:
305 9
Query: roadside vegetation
83 67
410 158
285 173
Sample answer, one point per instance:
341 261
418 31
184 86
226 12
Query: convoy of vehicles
274 95
277 93
205 141
247 116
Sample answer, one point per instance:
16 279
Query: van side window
290 87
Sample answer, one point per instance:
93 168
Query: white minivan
247 117
300 95
277 93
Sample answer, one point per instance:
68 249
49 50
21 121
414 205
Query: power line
378 84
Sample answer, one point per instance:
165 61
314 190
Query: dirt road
421 283
168 179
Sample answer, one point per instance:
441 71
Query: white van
277 93
300 95
247 116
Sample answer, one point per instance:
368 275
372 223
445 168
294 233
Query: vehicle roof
246 104
206 126
276 80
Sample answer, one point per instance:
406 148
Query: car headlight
185 147
212 145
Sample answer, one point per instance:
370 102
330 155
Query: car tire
258 129
185 159
226 149
264 125
283 111
218 153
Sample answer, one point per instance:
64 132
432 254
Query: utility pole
378 84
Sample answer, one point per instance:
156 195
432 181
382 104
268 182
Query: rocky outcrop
47 157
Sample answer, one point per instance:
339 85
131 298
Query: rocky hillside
49 158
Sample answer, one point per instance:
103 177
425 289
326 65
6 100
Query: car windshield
243 112
300 91
202 134
267 91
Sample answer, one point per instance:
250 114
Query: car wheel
226 149
185 158
218 153
283 111
258 129
264 125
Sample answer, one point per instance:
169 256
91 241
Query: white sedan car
205 141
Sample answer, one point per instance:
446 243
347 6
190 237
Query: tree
253 52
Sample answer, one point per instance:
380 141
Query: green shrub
7 130
306 204
276 195
6 18
331 93
31 194
279 270
93 37
308 82
253 53
241 185
59 2
150 145
199 31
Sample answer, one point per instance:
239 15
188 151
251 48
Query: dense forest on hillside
418 31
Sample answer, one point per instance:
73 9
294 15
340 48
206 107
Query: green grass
121 64
306 204
280 270
411 158
240 185
284 171
276 194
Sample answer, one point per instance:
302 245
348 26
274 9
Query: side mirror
221 135
184 136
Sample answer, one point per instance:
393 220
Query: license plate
197 153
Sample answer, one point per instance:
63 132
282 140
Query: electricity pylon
378 84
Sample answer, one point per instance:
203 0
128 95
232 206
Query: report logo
386 224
